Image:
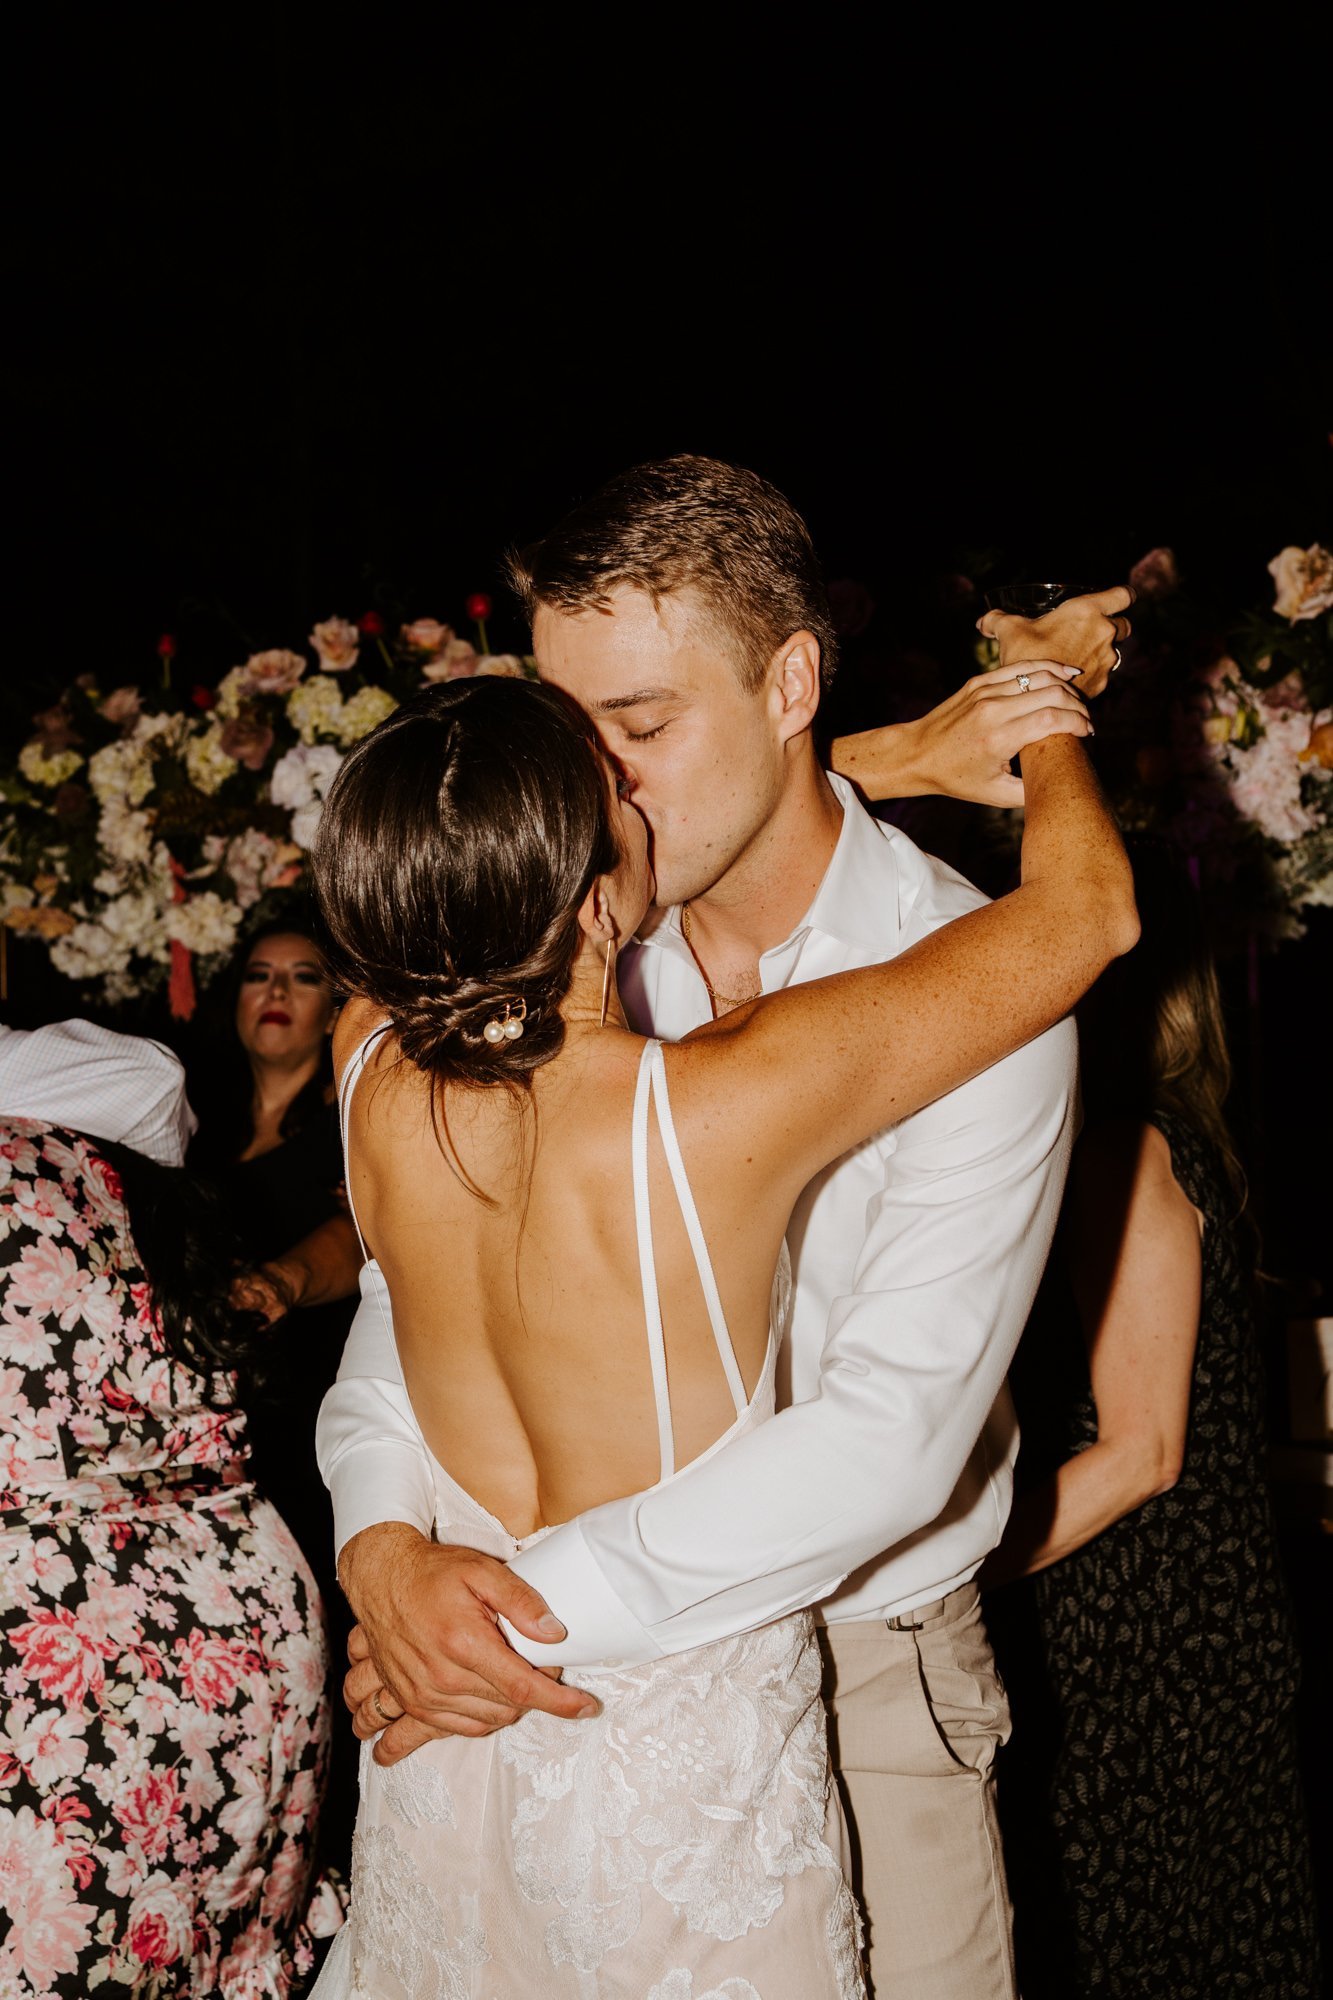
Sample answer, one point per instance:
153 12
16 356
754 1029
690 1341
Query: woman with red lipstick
268 1140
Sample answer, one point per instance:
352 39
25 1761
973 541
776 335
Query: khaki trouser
917 1714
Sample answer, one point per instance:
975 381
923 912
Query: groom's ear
794 684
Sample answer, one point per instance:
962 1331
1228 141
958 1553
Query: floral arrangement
1236 765
1219 738
138 832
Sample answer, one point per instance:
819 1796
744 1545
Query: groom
682 606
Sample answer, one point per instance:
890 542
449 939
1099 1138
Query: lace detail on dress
688 1833
400 1927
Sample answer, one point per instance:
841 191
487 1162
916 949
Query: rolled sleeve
371 1453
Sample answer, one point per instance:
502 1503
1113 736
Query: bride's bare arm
962 748
809 1072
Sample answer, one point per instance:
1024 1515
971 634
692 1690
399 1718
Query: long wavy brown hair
1153 1031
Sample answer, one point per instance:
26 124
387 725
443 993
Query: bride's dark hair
458 842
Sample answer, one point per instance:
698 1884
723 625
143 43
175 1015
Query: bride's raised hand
962 749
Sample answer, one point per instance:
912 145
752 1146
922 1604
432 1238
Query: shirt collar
857 903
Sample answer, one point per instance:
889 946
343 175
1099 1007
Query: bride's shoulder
358 1018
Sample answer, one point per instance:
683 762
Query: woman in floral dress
165 1728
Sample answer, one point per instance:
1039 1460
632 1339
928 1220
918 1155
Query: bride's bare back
520 1319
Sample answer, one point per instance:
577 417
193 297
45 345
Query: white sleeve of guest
122 1088
371 1452
915 1356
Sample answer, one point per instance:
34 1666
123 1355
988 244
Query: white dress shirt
887 1479
123 1088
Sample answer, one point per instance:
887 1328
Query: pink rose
275 672
426 637
160 1931
1304 579
122 705
456 660
337 642
248 741
1155 575
57 728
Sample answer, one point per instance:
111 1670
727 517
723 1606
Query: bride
580 1232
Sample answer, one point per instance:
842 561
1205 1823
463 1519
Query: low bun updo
458 842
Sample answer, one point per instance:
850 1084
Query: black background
314 308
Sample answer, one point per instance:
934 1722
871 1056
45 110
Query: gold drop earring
606 979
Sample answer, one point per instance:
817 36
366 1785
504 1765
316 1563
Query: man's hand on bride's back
428 1647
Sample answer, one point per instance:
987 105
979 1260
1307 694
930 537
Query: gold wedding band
1024 682
378 1707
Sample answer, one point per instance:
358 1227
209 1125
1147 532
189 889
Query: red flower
371 624
151 1941
203 697
478 605
166 646
149 1812
211 1669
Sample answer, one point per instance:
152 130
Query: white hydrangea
232 690
207 762
88 952
364 712
127 926
304 773
160 732
39 768
204 923
124 835
121 771
305 823
315 708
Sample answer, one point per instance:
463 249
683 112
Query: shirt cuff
602 1632
381 1482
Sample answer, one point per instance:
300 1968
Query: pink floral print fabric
164 1729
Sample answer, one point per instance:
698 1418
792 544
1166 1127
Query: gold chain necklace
725 999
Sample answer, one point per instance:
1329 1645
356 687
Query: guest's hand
430 1648
269 1291
1085 632
962 749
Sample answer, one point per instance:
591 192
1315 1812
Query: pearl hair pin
506 1027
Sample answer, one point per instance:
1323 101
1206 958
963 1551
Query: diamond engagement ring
1024 682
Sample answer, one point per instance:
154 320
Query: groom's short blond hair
695 525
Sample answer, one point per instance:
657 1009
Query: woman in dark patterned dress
165 1727
1169 1808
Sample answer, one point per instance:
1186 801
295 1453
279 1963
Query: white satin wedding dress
687 1844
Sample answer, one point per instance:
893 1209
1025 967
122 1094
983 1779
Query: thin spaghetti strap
346 1090
694 1230
652 1304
